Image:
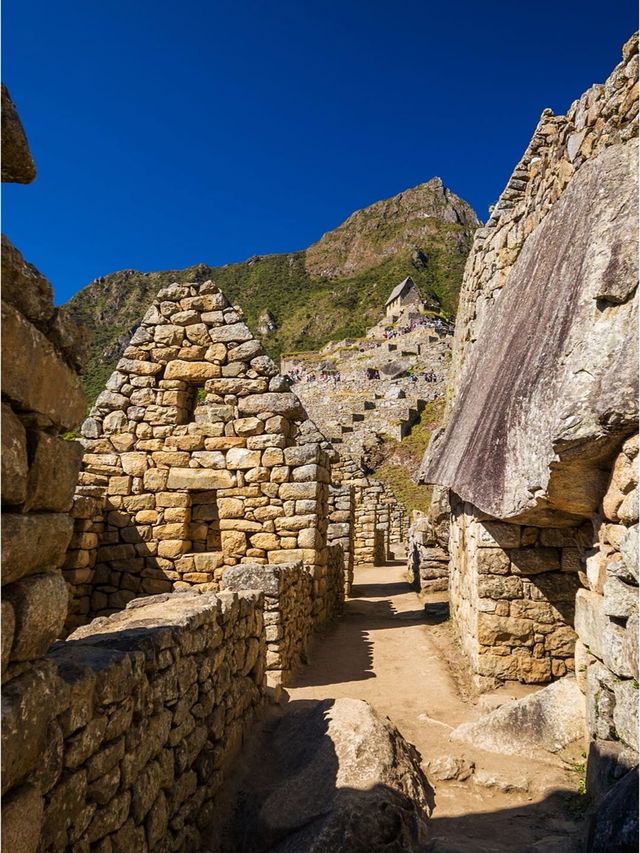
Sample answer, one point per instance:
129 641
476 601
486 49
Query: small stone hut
403 294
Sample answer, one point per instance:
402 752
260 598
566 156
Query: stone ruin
197 456
187 555
539 453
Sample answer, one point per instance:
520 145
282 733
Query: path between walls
403 660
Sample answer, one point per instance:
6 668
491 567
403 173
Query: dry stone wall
513 591
147 710
340 530
288 619
200 457
607 627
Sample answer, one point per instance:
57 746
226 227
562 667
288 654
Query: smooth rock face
550 719
551 384
340 779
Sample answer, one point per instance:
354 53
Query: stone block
29 702
493 630
493 561
625 712
35 377
288 555
620 599
232 333
240 458
15 465
40 607
492 534
33 543
119 485
53 472
194 372
591 621
199 479
299 491
234 543
620 648
284 403
22 816
493 586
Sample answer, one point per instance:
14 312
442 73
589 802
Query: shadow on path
343 651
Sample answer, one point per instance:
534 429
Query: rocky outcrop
17 163
551 386
368 235
539 450
547 720
335 777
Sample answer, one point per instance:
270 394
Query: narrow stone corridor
401 656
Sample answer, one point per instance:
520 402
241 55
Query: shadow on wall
129 565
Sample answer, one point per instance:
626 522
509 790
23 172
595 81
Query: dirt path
391 652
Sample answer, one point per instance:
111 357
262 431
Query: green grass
403 460
309 311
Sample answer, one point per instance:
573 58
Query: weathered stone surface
22 813
24 287
286 404
15 465
199 478
344 780
192 371
33 543
17 164
549 720
553 380
448 767
29 702
53 473
34 376
40 606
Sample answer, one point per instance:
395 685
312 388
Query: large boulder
332 777
549 390
548 720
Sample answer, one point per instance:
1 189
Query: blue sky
167 134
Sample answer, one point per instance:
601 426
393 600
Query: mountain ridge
333 289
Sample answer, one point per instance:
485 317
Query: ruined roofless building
197 457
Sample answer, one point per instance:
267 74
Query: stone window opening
188 402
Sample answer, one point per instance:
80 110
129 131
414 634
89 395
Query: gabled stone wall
200 458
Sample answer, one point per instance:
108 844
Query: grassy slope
403 460
309 311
